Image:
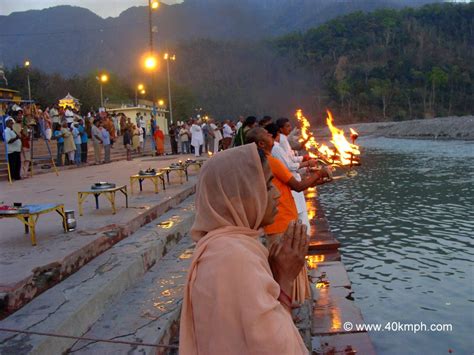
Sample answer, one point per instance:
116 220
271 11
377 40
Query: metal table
197 163
154 178
109 194
30 218
181 170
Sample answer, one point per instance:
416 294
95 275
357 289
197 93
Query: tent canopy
70 101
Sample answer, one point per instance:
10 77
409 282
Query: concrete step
73 306
147 313
333 307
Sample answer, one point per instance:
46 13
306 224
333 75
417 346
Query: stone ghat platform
26 271
128 299
333 302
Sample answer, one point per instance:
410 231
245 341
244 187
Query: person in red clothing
26 136
287 212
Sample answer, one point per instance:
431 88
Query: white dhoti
300 203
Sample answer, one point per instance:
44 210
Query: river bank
440 128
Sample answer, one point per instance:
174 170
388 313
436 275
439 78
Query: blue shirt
58 135
83 133
105 137
77 136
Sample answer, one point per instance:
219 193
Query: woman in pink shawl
236 298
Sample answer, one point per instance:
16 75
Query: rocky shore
446 128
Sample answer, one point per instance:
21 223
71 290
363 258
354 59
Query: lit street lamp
27 66
161 102
151 62
103 78
154 4
169 57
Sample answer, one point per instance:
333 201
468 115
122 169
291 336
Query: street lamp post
103 78
152 5
140 88
169 57
27 66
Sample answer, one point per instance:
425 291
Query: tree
438 78
382 89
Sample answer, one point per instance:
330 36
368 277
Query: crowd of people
197 136
72 133
251 227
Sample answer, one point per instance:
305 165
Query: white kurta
217 137
285 145
197 137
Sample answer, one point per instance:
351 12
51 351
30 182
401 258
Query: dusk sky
103 8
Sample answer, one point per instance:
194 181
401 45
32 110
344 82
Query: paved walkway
58 254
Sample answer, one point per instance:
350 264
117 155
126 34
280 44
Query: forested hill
391 64
73 40
382 65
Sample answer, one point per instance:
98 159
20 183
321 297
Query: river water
406 225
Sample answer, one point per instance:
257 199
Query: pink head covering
230 303
231 192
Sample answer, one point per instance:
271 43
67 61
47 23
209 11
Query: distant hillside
383 65
72 40
391 64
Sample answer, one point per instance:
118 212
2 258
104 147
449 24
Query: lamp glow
150 62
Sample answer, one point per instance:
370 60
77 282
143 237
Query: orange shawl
230 302
159 141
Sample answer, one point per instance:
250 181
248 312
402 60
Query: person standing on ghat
69 146
14 149
227 133
287 211
97 140
78 142
236 299
106 143
285 129
217 136
54 114
197 138
184 136
265 120
173 132
249 123
127 141
84 140
294 167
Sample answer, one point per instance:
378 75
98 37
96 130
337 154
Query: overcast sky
104 8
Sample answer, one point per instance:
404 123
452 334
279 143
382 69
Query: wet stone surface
148 312
347 344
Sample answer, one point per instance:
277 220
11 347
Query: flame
313 260
344 152
315 150
345 149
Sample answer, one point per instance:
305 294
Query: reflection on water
406 224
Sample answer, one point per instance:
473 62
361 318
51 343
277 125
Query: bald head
261 138
255 135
